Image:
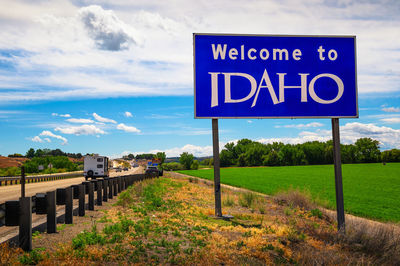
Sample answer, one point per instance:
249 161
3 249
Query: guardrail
4 180
19 212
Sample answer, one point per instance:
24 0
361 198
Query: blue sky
116 77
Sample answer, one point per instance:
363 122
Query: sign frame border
274 35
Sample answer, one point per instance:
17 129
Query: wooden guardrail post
75 191
110 188
51 212
119 184
105 190
99 192
60 196
115 186
68 205
91 196
25 223
81 200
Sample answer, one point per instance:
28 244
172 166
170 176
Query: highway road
13 192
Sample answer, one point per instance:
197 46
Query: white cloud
198 151
303 137
387 136
52 135
106 29
391 120
313 124
249 121
47 139
103 119
391 109
349 133
80 130
80 120
128 114
128 128
37 139
61 115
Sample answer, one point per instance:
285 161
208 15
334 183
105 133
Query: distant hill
11 162
176 159
74 160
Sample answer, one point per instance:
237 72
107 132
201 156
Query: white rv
95 166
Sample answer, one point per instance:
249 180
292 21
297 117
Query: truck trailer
95 166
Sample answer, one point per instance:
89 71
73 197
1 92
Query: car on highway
154 169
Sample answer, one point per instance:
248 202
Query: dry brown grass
8 254
295 198
308 255
380 240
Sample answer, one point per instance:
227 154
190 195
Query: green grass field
370 190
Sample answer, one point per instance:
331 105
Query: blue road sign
258 76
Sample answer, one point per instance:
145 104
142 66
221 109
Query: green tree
391 155
271 159
254 154
15 155
226 158
286 155
367 150
57 152
39 153
195 165
348 153
314 152
186 159
30 153
161 156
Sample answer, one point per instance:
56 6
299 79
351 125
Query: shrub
316 213
228 201
246 199
295 198
125 198
12 171
380 240
87 238
33 257
195 165
186 159
173 166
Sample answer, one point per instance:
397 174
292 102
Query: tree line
252 153
31 153
50 164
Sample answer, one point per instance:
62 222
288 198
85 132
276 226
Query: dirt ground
65 233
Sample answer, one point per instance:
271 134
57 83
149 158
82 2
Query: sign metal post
217 184
338 175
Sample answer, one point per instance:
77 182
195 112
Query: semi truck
95 166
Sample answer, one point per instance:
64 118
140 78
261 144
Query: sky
116 77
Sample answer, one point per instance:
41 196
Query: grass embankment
167 221
370 190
